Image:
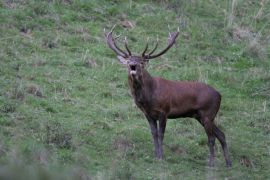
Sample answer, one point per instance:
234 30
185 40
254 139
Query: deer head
136 63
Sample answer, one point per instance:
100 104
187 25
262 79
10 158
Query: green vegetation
65 107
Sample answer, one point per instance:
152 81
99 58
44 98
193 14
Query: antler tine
104 31
111 43
106 35
172 39
154 48
111 30
169 31
146 47
117 36
126 46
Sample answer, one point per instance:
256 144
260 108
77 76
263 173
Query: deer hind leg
208 126
221 137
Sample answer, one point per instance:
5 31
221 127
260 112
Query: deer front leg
161 131
154 131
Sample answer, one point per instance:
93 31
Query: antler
112 44
126 46
154 48
172 38
146 47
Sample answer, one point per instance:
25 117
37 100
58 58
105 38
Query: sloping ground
65 108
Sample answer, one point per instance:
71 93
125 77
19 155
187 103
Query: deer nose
132 65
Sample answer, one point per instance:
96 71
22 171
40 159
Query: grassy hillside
65 108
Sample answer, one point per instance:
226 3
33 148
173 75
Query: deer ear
122 60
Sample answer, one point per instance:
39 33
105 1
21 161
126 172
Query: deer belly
178 114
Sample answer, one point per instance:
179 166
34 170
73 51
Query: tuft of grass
58 136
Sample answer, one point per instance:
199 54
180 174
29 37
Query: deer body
155 95
160 99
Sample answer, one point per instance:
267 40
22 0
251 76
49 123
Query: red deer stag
161 99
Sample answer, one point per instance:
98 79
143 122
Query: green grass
65 107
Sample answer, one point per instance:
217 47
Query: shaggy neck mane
141 87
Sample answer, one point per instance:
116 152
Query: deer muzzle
132 69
